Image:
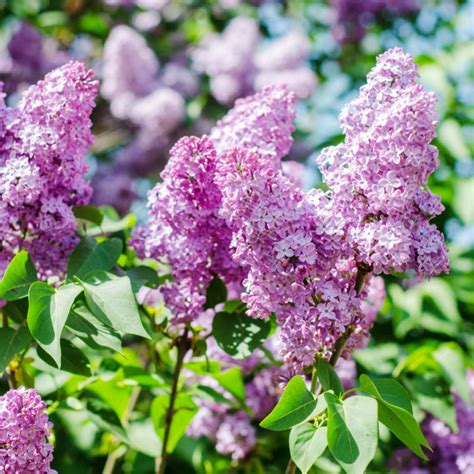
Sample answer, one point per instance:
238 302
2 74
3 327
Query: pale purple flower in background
27 57
351 18
227 58
43 142
113 187
129 70
236 66
24 428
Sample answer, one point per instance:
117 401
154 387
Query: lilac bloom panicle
43 142
24 428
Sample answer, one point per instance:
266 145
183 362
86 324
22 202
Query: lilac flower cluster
42 146
453 453
237 62
352 17
24 427
308 257
185 228
378 176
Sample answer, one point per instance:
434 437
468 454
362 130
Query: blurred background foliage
424 329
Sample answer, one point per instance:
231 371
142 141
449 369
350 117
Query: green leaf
208 393
47 314
307 444
112 301
239 335
396 418
72 359
232 381
17 310
328 376
361 419
451 359
184 411
18 277
105 418
340 440
84 325
141 377
91 256
88 213
141 276
216 293
12 342
388 390
295 406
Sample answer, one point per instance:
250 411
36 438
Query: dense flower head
378 176
185 229
453 453
24 428
262 123
43 142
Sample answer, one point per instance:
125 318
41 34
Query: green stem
314 378
114 455
183 346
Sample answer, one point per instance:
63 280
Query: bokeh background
170 68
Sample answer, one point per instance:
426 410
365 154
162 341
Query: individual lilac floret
453 453
378 176
43 142
24 428
262 123
185 229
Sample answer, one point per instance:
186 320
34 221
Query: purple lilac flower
233 431
453 453
284 61
28 56
261 123
43 142
378 176
113 187
151 102
185 229
236 67
227 58
129 70
24 427
352 17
